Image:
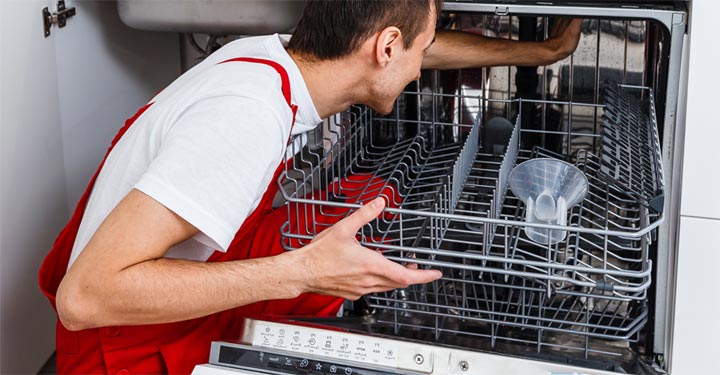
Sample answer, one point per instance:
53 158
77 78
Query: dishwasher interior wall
596 299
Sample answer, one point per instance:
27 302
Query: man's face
404 69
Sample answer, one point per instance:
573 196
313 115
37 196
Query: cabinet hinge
58 18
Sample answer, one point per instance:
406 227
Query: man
161 255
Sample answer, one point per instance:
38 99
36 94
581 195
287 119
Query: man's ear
389 42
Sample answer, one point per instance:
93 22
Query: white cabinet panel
106 71
697 306
701 166
33 203
62 98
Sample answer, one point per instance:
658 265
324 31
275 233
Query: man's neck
333 85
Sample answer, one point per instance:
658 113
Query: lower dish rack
449 208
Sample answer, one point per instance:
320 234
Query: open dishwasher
594 300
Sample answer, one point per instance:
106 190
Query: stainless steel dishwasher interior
590 300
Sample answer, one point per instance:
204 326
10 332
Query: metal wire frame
449 211
630 151
515 284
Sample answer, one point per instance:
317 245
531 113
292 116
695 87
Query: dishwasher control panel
276 362
326 344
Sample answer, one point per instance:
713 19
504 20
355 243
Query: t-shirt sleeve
215 163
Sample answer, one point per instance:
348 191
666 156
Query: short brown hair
332 29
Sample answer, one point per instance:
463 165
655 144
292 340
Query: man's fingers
556 28
385 283
423 276
569 26
575 25
563 25
403 276
411 266
411 277
351 224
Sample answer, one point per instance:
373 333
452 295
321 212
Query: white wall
106 72
61 101
33 196
702 131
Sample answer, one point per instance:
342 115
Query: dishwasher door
302 347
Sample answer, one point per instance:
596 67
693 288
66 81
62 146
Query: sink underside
243 17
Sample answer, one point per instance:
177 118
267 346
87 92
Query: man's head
332 29
386 39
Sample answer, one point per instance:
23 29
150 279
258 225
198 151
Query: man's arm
456 50
121 277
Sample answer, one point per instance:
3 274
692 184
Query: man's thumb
362 216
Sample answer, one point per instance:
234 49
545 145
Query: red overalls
174 347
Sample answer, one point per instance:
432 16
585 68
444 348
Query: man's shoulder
241 79
217 77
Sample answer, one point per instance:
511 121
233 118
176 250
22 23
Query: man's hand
337 265
564 37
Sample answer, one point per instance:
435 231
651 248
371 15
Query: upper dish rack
449 208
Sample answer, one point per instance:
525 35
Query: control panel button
286 363
273 361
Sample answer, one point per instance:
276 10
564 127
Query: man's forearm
168 290
456 50
121 277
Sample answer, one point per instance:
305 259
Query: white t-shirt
208 146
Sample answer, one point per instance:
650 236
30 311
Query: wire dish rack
449 208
